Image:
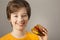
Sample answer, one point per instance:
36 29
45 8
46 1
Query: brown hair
14 6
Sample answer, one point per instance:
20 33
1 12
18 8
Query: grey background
44 12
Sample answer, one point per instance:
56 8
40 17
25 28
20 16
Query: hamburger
38 30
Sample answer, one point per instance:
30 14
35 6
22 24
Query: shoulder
6 36
33 36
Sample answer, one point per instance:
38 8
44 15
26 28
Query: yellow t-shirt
29 36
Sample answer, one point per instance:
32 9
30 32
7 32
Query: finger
44 29
45 33
41 27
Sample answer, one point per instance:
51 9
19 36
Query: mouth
21 24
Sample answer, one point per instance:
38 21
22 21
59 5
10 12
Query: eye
15 16
24 15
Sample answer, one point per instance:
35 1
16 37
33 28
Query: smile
21 24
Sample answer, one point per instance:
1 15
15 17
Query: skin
19 22
45 32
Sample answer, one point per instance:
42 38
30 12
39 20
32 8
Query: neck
18 33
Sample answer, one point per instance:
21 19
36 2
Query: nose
20 19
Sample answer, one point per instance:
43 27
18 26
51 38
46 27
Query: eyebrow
17 13
24 13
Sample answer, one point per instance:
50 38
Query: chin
20 28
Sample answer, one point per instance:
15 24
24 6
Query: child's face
19 19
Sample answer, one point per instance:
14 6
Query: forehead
21 11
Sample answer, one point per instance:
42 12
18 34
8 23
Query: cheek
26 20
13 20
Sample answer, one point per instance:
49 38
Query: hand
45 32
40 31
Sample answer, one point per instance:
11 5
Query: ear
9 21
